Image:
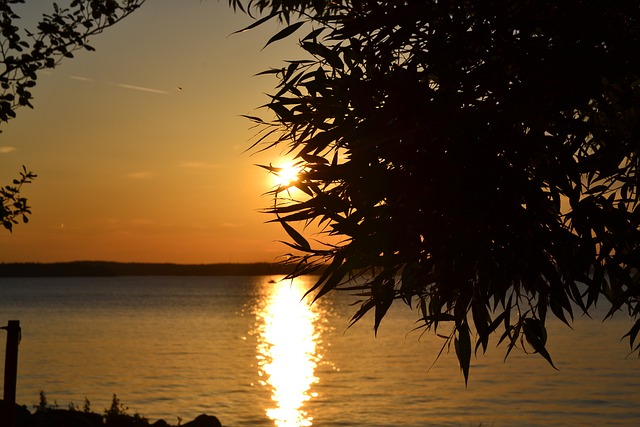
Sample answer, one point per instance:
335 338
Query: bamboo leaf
383 300
310 158
269 71
633 333
297 237
462 345
313 34
536 335
364 309
254 119
286 32
256 23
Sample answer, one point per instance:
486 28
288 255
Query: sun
285 174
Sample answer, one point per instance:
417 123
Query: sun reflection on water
288 352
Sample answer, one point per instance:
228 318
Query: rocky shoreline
76 418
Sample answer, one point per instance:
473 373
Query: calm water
249 352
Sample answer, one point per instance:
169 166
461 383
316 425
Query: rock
22 415
204 421
71 418
64 418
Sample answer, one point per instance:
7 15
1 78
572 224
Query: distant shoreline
112 269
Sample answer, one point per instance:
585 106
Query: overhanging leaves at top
485 155
24 52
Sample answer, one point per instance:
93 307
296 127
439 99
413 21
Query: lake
252 353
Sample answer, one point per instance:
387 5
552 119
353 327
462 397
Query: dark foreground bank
77 418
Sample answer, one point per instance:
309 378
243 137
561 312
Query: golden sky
139 146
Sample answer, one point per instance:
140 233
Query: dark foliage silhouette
479 160
13 207
24 52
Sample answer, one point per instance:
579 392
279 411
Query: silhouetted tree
12 205
24 52
479 159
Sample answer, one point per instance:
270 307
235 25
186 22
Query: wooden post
11 372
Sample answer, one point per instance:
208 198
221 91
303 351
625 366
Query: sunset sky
139 147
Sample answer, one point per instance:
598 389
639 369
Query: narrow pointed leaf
633 333
286 32
256 23
269 71
463 350
313 34
254 119
297 237
536 335
383 301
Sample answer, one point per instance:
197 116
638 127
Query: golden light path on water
288 340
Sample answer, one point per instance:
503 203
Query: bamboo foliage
477 161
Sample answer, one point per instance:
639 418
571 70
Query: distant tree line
112 269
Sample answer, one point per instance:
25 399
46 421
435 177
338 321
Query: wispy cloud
200 165
121 85
140 175
139 88
7 149
82 79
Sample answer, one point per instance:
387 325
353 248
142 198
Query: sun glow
285 174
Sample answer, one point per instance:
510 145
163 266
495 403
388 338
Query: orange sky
131 168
